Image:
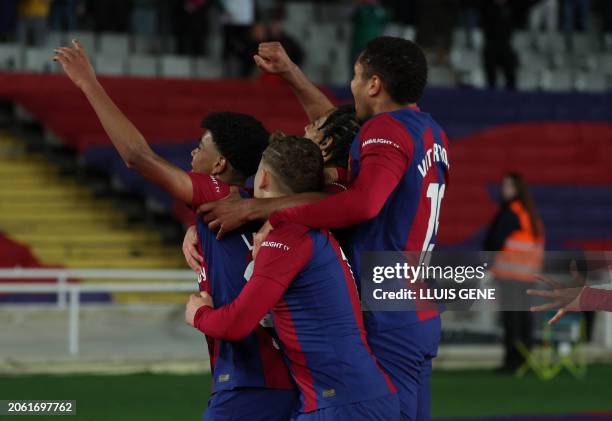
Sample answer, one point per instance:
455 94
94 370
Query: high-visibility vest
522 255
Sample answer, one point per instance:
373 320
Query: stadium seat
110 64
466 59
558 81
142 65
55 39
582 42
300 12
176 66
606 63
529 80
39 60
10 57
442 77
114 44
550 42
533 62
208 68
592 82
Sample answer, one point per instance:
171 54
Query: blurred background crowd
472 42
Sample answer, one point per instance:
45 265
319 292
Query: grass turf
178 397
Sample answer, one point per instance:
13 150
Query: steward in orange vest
522 254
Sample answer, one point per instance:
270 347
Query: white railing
73 290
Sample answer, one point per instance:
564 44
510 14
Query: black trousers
518 325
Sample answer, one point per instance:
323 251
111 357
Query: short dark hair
401 65
297 162
240 138
342 127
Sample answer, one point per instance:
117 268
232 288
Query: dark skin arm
129 142
232 212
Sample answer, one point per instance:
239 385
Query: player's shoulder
384 125
287 238
208 180
288 229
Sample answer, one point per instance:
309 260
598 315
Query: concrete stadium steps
64 224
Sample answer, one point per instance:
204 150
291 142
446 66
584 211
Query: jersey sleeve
593 299
282 256
385 156
384 142
207 188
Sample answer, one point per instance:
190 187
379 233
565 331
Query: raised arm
272 58
129 142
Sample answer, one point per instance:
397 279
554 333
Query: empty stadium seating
548 61
63 224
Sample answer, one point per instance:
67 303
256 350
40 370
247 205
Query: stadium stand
541 135
546 60
52 221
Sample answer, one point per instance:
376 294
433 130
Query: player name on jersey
436 154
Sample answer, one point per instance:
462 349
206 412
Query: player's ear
374 86
264 180
220 165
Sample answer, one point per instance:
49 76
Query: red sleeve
284 253
386 152
593 299
207 188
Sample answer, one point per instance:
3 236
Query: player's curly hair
296 161
401 65
240 138
342 127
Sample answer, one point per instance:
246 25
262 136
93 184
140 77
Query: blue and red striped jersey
399 170
302 276
415 148
254 361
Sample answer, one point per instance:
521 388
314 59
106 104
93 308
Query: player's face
205 155
359 88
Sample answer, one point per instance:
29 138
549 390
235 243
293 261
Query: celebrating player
301 276
399 171
250 378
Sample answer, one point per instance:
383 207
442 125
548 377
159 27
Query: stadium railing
73 291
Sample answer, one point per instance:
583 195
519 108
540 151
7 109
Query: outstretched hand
564 298
76 64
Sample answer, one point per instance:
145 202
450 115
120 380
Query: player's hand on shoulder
272 58
190 250
76 64
194 303
226 215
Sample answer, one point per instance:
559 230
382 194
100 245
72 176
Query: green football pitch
183 397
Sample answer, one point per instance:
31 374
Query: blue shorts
252 404
405 354
380 409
